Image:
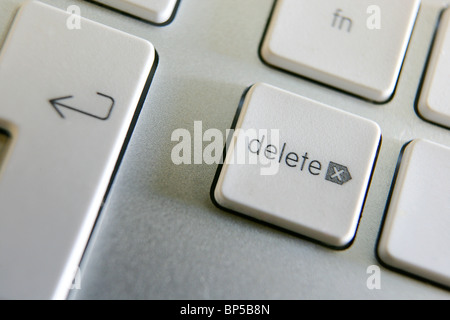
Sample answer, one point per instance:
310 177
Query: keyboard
224 149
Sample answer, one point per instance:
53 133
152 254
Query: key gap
5 139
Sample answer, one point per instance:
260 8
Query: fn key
298 164
355 46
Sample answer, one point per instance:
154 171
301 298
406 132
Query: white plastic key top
67 97
156 11
434 102
356 46
415 236
299 164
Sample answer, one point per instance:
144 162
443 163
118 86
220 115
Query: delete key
298 164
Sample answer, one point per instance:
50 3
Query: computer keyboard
348 108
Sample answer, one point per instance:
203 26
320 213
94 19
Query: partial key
356 46
68 101
415 236
434 101
156 11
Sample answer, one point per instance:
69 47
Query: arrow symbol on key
56 103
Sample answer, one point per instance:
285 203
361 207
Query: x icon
337 174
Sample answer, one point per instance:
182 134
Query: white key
415 237
311 165
434 101
356 46
156 11
67 97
